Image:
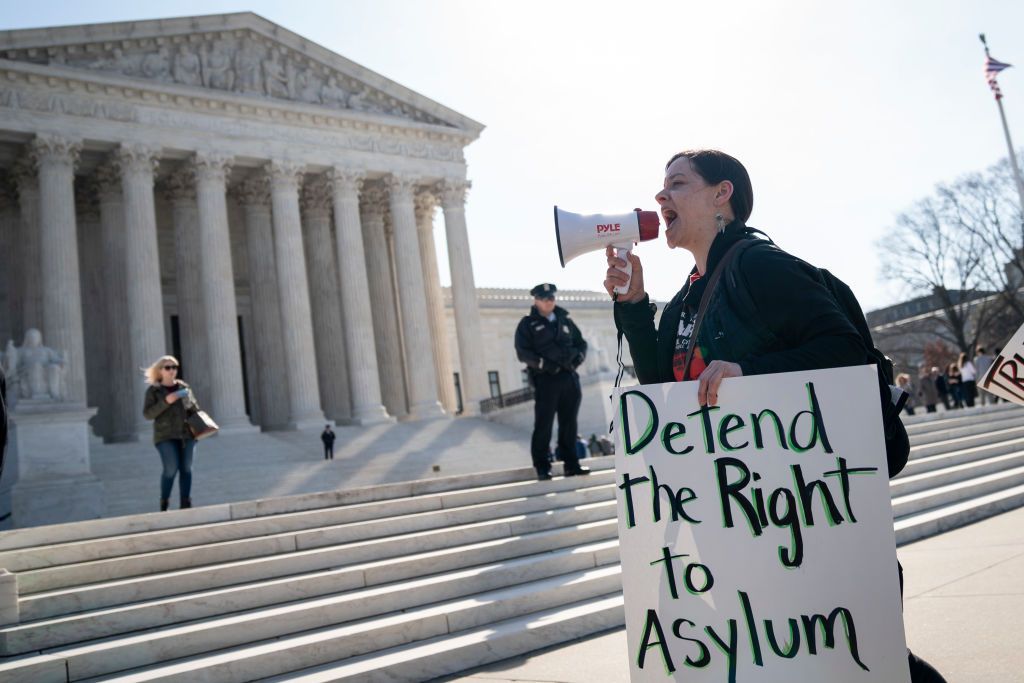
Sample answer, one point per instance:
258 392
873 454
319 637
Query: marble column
296 316
180 192
422 386
28 274
10 315
357 326
217 287
271 377
121 375
381 293
58 250
322 270
426 203
94 326
145 319
467 314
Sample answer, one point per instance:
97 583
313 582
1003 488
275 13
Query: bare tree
986 205
930 252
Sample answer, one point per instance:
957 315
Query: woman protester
791 321
968 379
954 382
904 383
927 387
168 402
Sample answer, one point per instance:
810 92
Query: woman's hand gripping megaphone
624 281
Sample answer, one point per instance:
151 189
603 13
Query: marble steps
952 439
445 655
954 472
77 573
279 524
429 643
561 522
938 520
357 590
957 453
293 636
925 422
966 487
108 528
979 425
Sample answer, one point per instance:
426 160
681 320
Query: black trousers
329 451
559 395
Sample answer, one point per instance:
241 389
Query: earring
720 222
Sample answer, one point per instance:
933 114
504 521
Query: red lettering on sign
610 227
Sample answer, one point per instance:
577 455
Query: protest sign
1005 377
756 536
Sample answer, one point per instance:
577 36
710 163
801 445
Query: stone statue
308 86
35 371
118 62
248 69
275 82
157 65
333 95
187 68
358 100
217 71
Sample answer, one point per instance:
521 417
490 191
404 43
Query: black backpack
891 397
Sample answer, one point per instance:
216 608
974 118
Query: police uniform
552 350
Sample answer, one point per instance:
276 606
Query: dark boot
186 503
164 504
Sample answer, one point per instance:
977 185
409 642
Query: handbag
201 424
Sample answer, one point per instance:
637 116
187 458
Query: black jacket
771 313
169 418
549 347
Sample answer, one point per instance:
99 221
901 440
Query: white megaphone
578 234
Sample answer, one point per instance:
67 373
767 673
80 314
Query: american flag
992 68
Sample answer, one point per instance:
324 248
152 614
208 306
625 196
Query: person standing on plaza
968 375
552 347
942 386
168 403
328 438
982 362
954 384
904 383
927 391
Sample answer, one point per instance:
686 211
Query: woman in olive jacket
771 313
168 403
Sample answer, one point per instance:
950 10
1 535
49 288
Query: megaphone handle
623 251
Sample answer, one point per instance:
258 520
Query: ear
724 193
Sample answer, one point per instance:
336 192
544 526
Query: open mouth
669 215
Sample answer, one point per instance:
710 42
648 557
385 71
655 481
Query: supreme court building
220 188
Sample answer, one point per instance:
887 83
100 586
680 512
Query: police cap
544 291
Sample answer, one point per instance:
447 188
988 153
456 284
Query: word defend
756 536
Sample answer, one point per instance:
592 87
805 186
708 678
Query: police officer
552 347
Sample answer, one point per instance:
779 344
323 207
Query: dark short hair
714 167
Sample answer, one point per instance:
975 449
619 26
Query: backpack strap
705 299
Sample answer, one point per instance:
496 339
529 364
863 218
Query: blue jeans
176 455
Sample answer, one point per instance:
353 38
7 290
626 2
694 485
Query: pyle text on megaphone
578 234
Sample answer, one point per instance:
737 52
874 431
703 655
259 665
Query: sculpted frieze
240 62
60 103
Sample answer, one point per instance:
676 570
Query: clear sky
844 112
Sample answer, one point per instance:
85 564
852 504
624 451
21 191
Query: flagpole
1009 141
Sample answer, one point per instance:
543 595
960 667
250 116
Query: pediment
242 54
